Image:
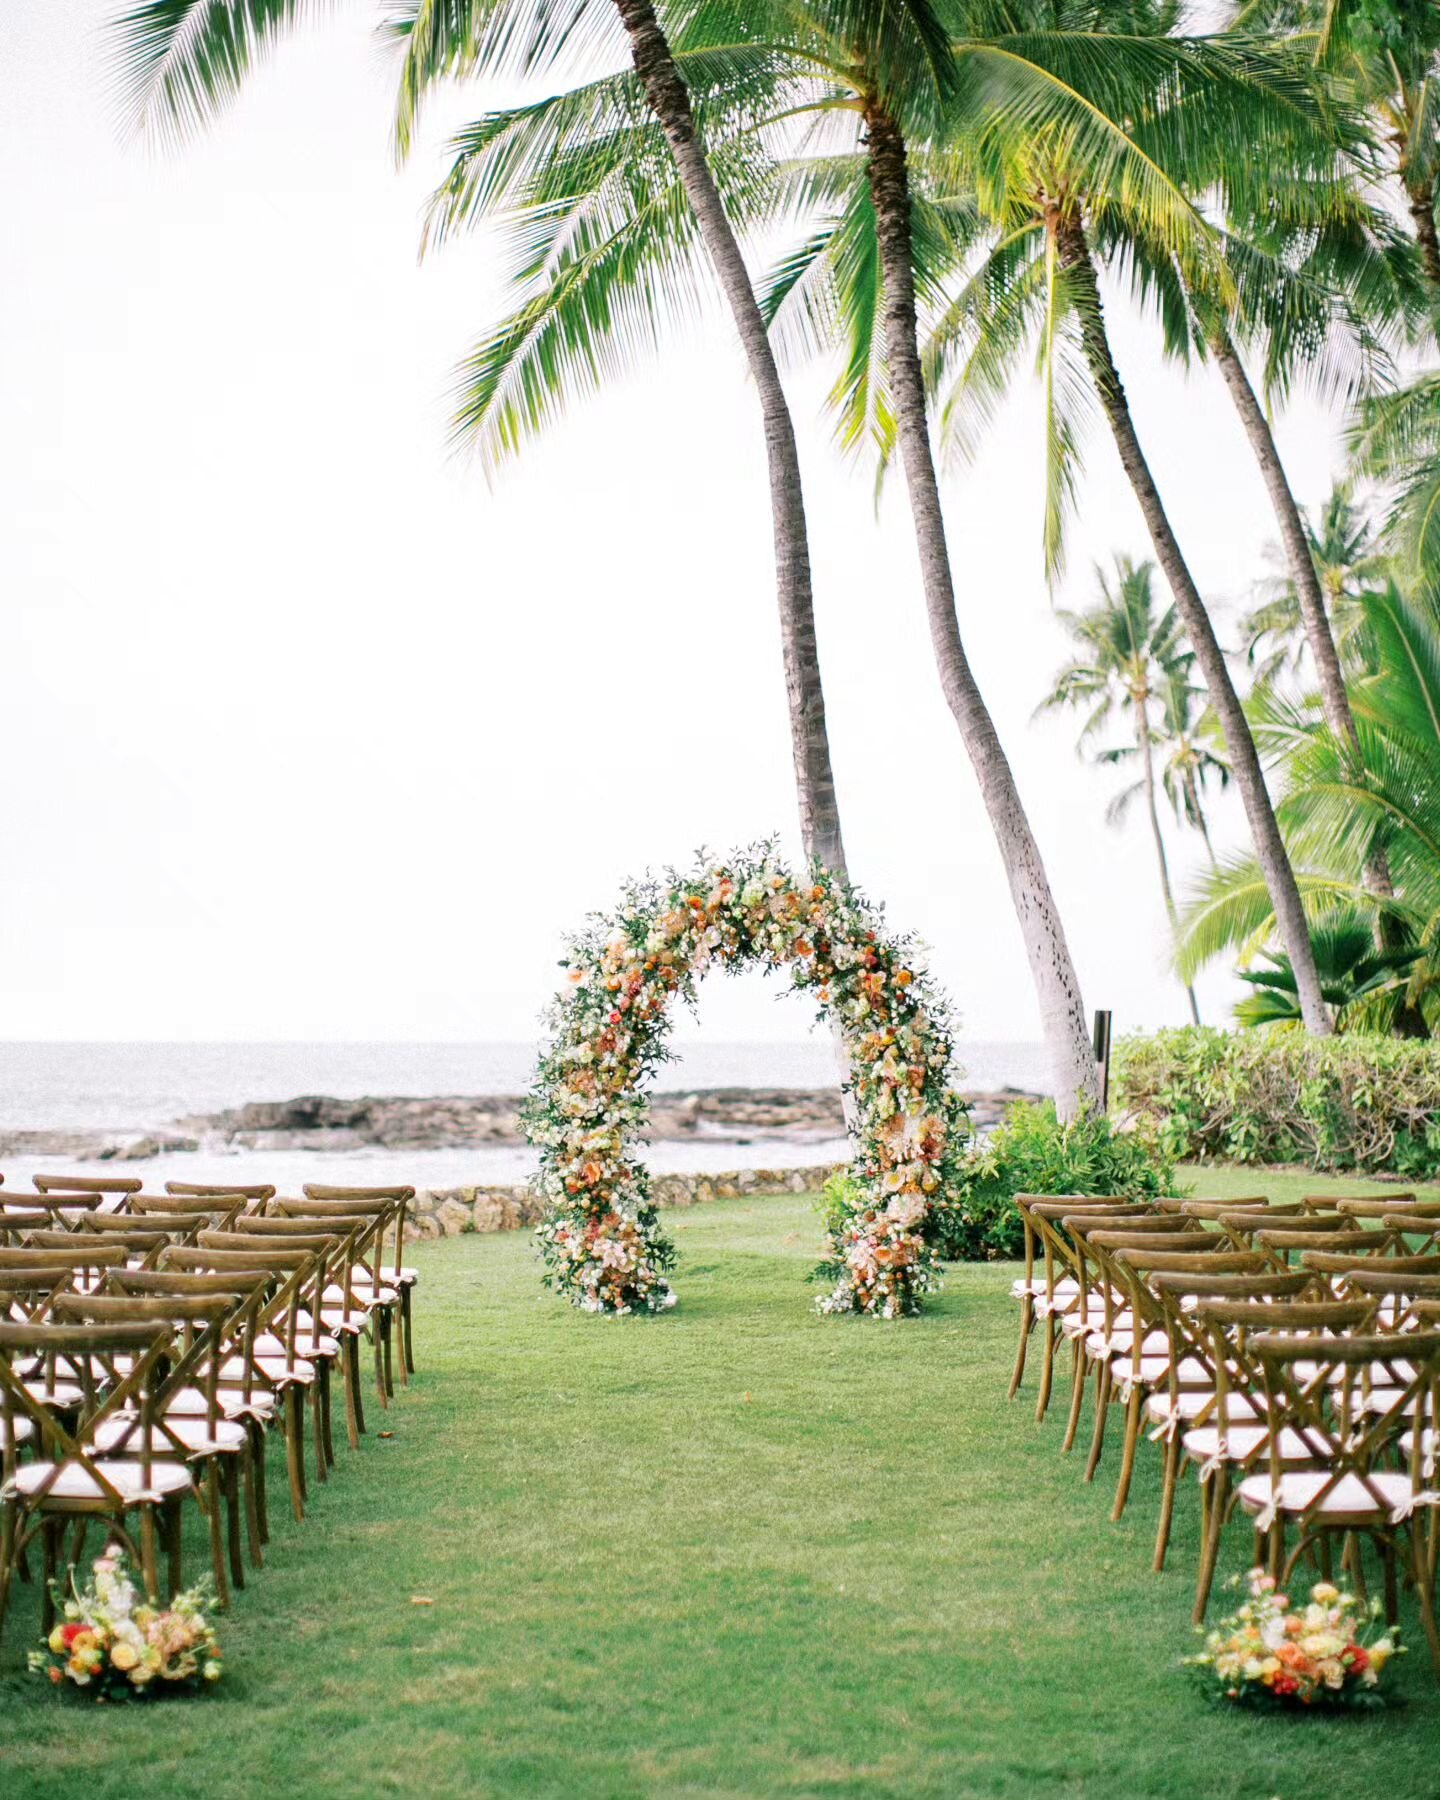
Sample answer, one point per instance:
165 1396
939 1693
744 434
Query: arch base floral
601 1239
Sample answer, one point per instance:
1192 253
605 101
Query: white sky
311 735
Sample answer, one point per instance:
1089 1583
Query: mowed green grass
740 1550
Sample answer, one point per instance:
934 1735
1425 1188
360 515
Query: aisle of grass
737 1551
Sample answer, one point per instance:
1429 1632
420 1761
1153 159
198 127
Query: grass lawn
740 1550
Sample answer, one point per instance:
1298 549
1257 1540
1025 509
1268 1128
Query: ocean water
136 1087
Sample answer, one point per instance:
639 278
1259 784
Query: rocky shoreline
321 1122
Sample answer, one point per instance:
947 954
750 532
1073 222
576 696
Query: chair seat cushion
75 1482
15 1431
1066 1289
1349 1498
196 1434
60 1394
366 1297
188 1402
279 1369
1202 1443
1190 1404
1191 1373
267 1344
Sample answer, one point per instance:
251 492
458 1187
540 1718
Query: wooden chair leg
1167 1499
50 1530
1216 1492
149 1560
295 1451
211 1503
174 1534
1425 1591
249 1482
1077 1396
1102 1406
317 1424
8 1531
258 1431
327 1434
350 1371
379 1348
230 1487
1133 1408
407 1325
1047 1370
1017 1374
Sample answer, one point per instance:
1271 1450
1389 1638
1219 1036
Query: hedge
1353 1101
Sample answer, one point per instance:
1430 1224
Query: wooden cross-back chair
272 1379
1101 1322
395 1273
1057 1291
249 1406
71 1482
210 1445
1244 1420
1187 1420
1133 1366
1200 1206
194 1212
358 1290
1318 1387
309 1346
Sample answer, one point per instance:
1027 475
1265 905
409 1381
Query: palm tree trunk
814 779
1147 766
1421 199
1057 987
1192 788
1074 255
1333 697
1292 532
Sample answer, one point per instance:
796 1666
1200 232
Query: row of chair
152 1344
1288 1353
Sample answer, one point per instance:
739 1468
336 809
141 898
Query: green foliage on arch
601 1239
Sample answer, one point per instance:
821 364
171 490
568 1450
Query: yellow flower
1324 1593
124 1656
57 1639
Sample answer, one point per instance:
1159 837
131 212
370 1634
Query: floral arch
601 1238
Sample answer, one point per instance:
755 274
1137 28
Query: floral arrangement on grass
112 1641
1326 1654
600 1239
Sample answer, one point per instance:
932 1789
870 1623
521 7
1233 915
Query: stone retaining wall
448 1212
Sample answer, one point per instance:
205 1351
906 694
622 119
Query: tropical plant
1353 1101
1342 805
1395 442
1130 656
1034 1152
1191 758
1355 974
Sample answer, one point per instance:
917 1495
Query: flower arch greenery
601 1239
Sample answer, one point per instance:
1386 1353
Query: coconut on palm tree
1130 654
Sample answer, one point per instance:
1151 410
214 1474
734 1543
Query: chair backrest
320 1198
208 1190
1201 1208
1366 1206
88 1184
82 1346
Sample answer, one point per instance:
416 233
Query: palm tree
1336 814
1130 655
181 58
1347 561
1395 441
1389 49
1191 756
1167 103
765 71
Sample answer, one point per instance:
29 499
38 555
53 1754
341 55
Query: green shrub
1351 1102
1031 1152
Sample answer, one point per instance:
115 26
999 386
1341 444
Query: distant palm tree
1130 654
1348 563
1192 755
